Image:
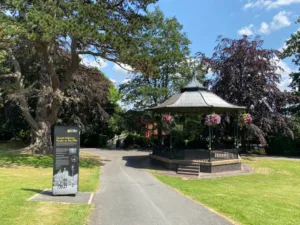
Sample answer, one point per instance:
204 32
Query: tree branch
22 100
104 56
8 75
55 105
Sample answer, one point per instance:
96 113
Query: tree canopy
245 74
168 50
52 29
292 49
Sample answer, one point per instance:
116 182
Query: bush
281 145
129 140
133 140
94 140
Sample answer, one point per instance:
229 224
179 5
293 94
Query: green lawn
270 196
22 176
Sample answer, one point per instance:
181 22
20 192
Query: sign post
66 160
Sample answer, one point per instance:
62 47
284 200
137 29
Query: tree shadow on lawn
10 159
17 159
32 190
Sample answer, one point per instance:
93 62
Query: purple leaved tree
246 74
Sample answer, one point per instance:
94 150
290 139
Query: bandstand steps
189 169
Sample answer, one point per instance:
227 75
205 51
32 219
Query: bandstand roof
194 97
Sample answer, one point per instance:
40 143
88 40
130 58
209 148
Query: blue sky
204 20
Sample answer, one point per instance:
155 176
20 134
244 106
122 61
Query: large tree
88 102
246 74
292 50
168 47
108 29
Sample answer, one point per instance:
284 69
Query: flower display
245 119
212 119
167 119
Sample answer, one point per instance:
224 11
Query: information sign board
66 160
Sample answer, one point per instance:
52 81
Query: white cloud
258 3
126 81
279 21
264 28
279 3
269 4
123 69
247 30
113 80
285 75
93 62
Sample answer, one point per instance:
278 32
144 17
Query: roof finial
194 84
194 75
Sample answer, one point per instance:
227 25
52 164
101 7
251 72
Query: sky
205 20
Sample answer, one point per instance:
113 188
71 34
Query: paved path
129 195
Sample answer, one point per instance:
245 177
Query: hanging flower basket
212 119
167 119
245 119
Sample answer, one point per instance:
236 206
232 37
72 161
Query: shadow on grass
32 190
8 159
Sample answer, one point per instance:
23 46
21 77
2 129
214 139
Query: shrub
94 140
281 145
129 140
133 140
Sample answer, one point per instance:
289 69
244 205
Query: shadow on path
143 162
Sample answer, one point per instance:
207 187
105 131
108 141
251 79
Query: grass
23 175
269 196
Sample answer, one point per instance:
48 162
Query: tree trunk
41 139
49 95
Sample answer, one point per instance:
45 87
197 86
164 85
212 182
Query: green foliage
168 48
108 27
117 122
12 123
281 145
292 49
134 140
94 140
113 95
3 57
51 38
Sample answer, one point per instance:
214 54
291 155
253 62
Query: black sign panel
66 160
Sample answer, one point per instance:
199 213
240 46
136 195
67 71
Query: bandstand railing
196 154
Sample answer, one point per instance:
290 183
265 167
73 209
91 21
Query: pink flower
212 119
245 119
168 119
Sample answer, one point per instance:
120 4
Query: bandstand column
170 134
210 141
236 131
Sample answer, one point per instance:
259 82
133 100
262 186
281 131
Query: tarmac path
129 195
